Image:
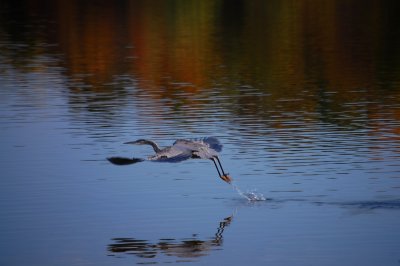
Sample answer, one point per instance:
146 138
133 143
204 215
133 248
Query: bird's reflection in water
182 248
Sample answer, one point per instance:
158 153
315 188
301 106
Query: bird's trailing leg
220 165
216 166
224 176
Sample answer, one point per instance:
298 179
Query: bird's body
182 149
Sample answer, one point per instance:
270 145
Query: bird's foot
226 178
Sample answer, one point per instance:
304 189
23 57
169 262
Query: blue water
310 127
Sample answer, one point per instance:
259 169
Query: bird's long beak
130 142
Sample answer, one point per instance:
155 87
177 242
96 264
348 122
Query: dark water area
304 96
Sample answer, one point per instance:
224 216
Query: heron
182 149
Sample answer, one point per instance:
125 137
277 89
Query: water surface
303 95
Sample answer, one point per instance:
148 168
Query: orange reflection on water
283 44
171 50
89 37
314 52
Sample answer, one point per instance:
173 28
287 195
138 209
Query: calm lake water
304 96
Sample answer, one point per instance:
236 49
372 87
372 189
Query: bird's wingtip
123 160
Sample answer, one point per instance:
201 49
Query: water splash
250 195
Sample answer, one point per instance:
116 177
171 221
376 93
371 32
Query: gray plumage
184 149
181 149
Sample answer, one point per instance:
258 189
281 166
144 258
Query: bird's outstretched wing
194 144
173 154
124 160
213 143
171 159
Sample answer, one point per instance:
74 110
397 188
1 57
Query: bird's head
145 142
138 142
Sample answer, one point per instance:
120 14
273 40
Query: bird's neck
154 145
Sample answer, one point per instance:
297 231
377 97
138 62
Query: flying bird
181 149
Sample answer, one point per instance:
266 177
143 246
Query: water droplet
250 195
